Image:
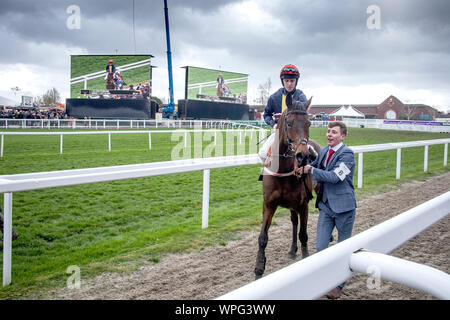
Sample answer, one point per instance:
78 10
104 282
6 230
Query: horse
291 149
219 89
110 84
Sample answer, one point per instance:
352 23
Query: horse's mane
295 106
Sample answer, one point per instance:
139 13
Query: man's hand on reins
303 170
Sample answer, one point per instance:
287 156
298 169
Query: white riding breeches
266 146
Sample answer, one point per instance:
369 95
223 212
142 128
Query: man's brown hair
339 124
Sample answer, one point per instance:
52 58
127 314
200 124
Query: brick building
391 108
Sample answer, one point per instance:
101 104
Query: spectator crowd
32 114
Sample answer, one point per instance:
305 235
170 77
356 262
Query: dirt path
216 271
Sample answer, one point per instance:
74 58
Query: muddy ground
216 271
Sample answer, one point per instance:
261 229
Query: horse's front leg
303 234
294 219
263 238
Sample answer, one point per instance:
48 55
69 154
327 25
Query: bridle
291 147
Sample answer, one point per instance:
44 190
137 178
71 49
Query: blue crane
168 111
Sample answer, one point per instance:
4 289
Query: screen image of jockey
110 67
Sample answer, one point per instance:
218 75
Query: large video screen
210 84
90 72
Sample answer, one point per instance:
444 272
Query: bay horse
110 84
291 149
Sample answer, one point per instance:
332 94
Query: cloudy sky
344 52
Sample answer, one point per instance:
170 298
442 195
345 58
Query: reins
290 152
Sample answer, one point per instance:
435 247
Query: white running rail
365 252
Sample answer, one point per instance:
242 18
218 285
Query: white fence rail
201 85
425 126
32 181
169 123
120 124
398 146
365 252
109 133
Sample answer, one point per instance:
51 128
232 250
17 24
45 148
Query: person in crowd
276 104
333 170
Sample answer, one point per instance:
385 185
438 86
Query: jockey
220 80
110 67
276 104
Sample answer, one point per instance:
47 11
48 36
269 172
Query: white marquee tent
347 112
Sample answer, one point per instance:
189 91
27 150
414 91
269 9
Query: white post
109 141
117 124
1 147
360 169
445 154
425 160
399 163
215 137
61 144
7 238
205 209
149 141
185 139
411 274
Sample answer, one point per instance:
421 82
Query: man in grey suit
333 170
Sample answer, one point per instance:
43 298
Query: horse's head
294 128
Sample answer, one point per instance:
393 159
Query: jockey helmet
111 61
289 71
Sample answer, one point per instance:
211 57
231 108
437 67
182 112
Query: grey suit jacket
340 194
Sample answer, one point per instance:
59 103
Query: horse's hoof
258 273
305 252
292 255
